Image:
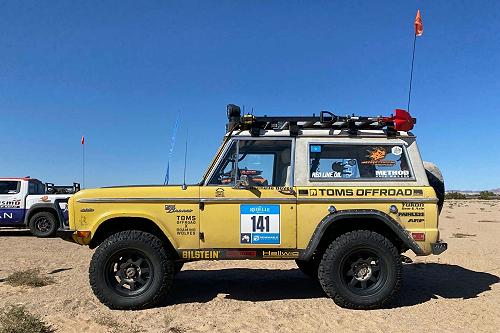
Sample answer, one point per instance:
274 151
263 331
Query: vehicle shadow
14 232
422 282
242 284
425 281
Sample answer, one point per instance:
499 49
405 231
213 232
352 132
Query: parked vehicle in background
29 203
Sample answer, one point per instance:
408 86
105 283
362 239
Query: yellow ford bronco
342 196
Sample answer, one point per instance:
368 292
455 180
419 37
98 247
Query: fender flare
328 220
103 219
52 207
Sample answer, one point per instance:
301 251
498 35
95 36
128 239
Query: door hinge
202 205
202 236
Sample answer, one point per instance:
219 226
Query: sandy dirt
456 291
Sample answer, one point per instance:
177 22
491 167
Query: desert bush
486 195
29 277
16 319
455 195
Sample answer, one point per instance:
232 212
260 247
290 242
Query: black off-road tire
436 180
154 259
308 267
339 262
178 266
43 224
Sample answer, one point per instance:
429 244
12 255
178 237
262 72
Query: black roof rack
401 121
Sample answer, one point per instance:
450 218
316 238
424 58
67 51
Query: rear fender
331 220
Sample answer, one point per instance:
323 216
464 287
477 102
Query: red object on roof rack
402 119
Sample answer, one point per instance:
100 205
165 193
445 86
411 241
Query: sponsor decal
361 192
412 214
315 149
392 173
376 157
416 220
277 188
303 192
86 210
280 254
260 224
411 206
171 209
16 203
397 150
200 254
240 254
418 192
11 215
186 225
45 199
219 192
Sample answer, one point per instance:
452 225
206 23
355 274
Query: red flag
419 26
83 140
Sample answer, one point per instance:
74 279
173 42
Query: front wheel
308 267
361 270
131 270
43 224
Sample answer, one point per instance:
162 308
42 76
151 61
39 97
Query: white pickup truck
29 203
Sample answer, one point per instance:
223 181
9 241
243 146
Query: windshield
9 186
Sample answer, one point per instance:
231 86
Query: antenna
172 145
184 186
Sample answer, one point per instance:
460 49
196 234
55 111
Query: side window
264 162
329 162
32 188
9 187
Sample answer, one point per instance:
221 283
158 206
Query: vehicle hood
159 192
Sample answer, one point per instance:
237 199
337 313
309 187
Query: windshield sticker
315 149
260 224
396 150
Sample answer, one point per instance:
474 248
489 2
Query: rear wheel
43 224
361 270
131 270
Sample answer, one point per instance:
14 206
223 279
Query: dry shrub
29 277
16 319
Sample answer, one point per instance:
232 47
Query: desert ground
456 291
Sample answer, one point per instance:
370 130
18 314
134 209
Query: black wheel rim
43 224
363 272
129 272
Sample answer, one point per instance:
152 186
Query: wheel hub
43 224
363 272
131 272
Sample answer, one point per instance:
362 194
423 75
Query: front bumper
439 247
66 234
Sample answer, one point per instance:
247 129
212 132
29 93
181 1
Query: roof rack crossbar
326 120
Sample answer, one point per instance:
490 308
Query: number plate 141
260 224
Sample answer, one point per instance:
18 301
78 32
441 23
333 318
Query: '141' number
258 223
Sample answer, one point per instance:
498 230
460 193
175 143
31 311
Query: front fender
338 216
153 219
52 207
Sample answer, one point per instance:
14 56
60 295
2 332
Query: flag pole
419 30
411 71
83 161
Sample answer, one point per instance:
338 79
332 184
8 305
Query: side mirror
243 182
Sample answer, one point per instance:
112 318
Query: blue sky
120 71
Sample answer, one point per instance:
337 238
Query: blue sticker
315 149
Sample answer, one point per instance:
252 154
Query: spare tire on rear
436 180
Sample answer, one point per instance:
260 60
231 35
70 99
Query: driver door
258 214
